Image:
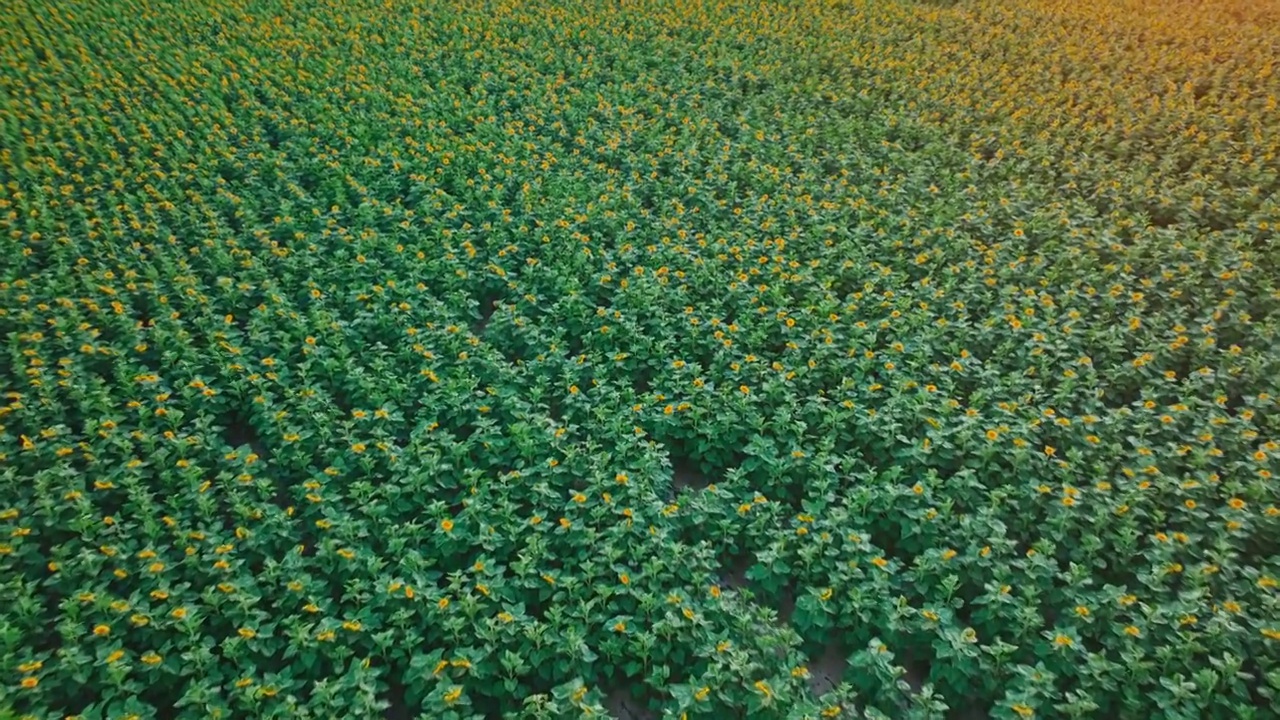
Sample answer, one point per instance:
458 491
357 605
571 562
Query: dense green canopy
772 360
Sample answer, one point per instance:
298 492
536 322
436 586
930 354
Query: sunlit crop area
639 358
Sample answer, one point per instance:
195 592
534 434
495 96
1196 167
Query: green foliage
463 360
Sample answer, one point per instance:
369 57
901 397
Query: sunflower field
639 359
